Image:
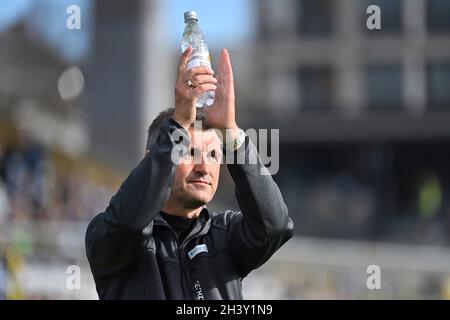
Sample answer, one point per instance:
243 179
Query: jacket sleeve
263 225
113 237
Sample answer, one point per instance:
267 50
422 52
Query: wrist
230 132
232 138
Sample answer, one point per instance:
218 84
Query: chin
199 200
195 203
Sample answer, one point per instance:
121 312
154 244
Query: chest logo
196 250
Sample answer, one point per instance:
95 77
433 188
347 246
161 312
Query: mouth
200 182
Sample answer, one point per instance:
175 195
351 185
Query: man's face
197 174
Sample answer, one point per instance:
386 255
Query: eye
215 155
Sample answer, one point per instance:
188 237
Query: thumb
183 60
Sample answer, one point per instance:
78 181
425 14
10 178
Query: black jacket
134 254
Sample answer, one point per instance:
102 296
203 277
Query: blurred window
316 88
276 18
439 84
385 86
315 17
391 16
438 15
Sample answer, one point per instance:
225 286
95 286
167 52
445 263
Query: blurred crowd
46 199
36 184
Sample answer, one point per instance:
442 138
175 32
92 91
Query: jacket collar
204 217
200 228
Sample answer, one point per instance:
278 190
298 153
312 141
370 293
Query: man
157 239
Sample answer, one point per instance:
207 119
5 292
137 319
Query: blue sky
46 20
224 22
12 10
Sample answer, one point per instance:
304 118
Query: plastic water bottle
193 36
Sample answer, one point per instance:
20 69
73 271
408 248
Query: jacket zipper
194 279
180 248
178 254
181 253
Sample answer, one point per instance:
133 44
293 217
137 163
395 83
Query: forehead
203 138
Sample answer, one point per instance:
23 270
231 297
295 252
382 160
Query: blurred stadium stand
364 137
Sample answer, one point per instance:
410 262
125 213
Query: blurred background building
364 133
364 115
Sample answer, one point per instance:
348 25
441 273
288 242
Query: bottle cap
190 15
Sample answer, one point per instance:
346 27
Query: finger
198 71
198 91
224 66
200 79
184 59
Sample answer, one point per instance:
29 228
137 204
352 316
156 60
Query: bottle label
194 63
199 59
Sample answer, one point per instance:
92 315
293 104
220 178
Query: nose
202 166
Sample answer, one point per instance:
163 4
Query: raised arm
113 236
263 225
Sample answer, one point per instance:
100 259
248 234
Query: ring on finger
191 84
